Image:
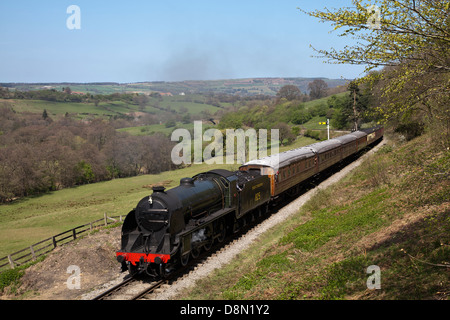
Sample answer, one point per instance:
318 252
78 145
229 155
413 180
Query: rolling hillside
250 86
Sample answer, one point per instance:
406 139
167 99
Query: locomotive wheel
236 226
184 259
207 246
222 231
132 270
195 252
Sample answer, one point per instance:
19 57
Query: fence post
54 241
11 262
74 234
32 253
106 220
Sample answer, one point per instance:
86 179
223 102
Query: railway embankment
381 232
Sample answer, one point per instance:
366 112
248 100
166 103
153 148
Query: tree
289 92
285 133
317 89
411 40
85 173
355 103
67 90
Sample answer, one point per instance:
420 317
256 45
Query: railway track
131 288
141 287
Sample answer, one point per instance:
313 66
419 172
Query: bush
170 124
411 129
10 278
318 135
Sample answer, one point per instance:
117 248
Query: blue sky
132 41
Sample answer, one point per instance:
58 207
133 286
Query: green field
61 108
194 105
160 128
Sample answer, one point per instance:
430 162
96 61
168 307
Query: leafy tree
339 119
85 173
411 40
301 116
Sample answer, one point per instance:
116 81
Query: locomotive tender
168 227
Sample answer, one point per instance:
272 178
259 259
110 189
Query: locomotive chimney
158 189
189 182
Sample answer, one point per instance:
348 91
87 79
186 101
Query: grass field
161 128
194 105
60 108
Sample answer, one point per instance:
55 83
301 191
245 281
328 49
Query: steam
194 63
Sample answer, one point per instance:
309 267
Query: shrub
10 278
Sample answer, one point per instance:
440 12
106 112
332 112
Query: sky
175 40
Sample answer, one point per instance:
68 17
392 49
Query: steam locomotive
168 227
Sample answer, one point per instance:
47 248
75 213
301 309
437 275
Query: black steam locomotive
168 227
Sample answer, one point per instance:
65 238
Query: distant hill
245 87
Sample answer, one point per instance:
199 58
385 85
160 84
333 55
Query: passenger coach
288 169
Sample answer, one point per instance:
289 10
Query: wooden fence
40 248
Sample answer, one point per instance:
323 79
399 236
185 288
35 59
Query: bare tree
317 89
289 92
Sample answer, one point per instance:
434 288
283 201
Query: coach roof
325 146
284 158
